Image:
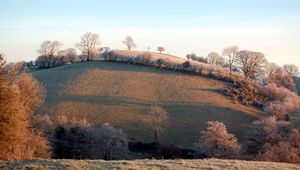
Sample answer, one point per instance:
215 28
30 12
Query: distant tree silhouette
129 42
161 49
231 53
250 62
49 48
215 59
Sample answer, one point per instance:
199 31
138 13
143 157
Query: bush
282 79
77 139
160 62
247 93
20 96
217 142
186 65
281 103
272 140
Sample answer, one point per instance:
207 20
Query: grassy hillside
147 164
121 94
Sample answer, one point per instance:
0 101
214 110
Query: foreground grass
146 164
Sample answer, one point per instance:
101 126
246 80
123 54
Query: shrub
272 140
108 143
77 139
160 62
282 79
247 92
281 103
145 58
217 142
20 95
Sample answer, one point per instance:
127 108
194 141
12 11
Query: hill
147 164
120 94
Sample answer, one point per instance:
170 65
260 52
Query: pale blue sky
182 26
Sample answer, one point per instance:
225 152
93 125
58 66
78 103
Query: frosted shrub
217 142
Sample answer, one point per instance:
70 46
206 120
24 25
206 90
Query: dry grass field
212 164
120 94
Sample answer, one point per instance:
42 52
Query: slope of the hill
121 94
147 164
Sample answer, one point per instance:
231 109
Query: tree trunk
155 136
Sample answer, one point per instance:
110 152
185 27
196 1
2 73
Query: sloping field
121 94
212 164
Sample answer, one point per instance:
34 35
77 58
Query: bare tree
231 53
217 142
271 69
49 48
129 42
291 69
281 79
215 59
250 62
89 45
161 49
157 118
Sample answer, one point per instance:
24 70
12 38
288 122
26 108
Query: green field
120 94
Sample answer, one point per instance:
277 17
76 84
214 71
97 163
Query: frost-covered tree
272 140
215 59
281 79
157 117
271 69
217 142
282 101
69 54
79 139
89 45
49 48
231 54
250 62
